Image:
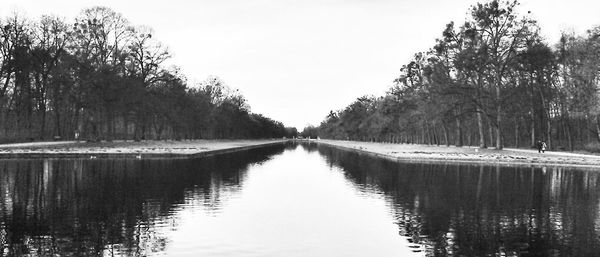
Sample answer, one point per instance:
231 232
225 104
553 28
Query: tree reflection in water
108 207
122 207
481 210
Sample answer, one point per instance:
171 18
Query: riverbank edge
136 155
450 160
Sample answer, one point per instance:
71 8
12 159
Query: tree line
491 81
98 77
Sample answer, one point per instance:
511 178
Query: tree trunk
43 125
567 128
57 129
481 129
424 134
516 133
459 137
78 124
499 144
598 128
436 138
549 142
533 139
137 130
159 129
446 136
490 131
587 129
469 138
110 133
546 117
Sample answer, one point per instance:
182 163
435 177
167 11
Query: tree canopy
491 81
99 77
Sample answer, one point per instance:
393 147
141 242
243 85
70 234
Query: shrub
593 147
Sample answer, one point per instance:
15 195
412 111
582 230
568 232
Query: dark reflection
108 207
482 210
309 146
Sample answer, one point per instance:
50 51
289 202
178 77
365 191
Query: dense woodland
490 81
102 78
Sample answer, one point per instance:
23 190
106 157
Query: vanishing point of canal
295 200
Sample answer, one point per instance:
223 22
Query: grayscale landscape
299 128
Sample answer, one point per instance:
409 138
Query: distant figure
543 146
539 146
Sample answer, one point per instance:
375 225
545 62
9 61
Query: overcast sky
295 60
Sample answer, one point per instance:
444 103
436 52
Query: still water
294 200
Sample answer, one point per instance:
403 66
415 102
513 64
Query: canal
295 200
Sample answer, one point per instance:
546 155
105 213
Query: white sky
295 60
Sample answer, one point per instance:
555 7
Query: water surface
294 200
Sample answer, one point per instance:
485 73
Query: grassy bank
128 149
414 152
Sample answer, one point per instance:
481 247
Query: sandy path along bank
413 152
128 149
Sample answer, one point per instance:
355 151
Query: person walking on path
543 146
539 146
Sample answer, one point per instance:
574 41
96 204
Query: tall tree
501 35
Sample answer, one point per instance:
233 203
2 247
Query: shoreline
129 150
467 155
200 148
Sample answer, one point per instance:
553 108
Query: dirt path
413 152
37 144
126 149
